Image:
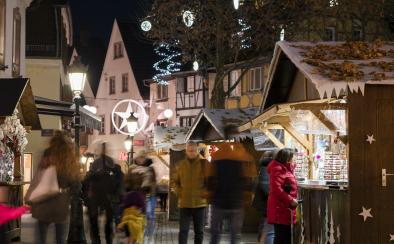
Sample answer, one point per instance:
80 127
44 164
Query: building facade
127 63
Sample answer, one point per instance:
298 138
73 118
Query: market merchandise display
335 166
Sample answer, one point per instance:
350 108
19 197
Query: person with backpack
102 188
266 231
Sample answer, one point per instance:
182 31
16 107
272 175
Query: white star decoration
370 139
366 213
391 237
125 115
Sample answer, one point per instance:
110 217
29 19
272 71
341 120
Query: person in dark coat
266 231
102 189
61 154
282 198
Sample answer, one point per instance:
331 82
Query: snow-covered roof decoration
167 137
220 118
336 66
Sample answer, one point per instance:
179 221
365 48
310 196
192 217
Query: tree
221 37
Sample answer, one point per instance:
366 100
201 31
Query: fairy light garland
244 34
167 64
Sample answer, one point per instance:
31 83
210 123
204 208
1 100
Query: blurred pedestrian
58 167
282 198
7 214
144 167
231 175
188 182
102 189
133 211
266 231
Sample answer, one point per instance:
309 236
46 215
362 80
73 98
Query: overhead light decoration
236 4
196 66
146 25
167 64
188 18
168 113
244 34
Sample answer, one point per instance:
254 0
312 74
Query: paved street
166 232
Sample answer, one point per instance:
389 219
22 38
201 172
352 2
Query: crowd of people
227 183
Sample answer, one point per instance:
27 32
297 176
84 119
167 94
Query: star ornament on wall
366 213
370 139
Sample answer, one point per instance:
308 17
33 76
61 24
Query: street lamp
77 77
132 127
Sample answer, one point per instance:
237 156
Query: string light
168 63
244 34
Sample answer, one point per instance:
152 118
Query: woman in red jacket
282 198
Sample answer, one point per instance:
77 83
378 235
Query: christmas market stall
335 103
209 129
18 115
169 145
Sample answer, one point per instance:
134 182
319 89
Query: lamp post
77 78
132 127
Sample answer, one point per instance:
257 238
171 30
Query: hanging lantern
146 25
168 113
188 18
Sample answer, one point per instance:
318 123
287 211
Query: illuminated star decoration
366 213
125 115
370 139
391 237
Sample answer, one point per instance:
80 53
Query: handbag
45 185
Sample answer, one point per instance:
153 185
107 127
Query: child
133 217
7 214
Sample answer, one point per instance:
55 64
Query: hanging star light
188 18
146 25
167 64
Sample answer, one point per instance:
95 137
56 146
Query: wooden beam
327 122
319 106
273 138
301 139
254 123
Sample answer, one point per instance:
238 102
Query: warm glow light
128 143
168 113
132 124
236 4
83 160
77 82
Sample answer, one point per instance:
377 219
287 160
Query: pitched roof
140 53
331 66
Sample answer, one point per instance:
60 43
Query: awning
60 108
17 93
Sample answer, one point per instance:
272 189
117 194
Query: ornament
391 237
244 34
146 25
188 18
366 213
370 139
195 66
142 120
168 113
168 63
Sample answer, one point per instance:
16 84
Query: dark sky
97 16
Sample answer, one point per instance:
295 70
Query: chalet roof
140 53
331 66
215 121
168 137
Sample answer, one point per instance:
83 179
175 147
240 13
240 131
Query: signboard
139 143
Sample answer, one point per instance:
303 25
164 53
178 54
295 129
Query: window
102 129
16 43
186 121
118 50
125 82
113 130
357 35
234 76
181 84
2 33
330 34
162 91
190 84
256 79
112 87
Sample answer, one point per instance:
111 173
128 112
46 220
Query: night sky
97 16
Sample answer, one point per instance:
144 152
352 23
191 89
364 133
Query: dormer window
118 50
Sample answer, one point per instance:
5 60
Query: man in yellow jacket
188 182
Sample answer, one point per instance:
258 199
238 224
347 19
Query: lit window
125 82
112 85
